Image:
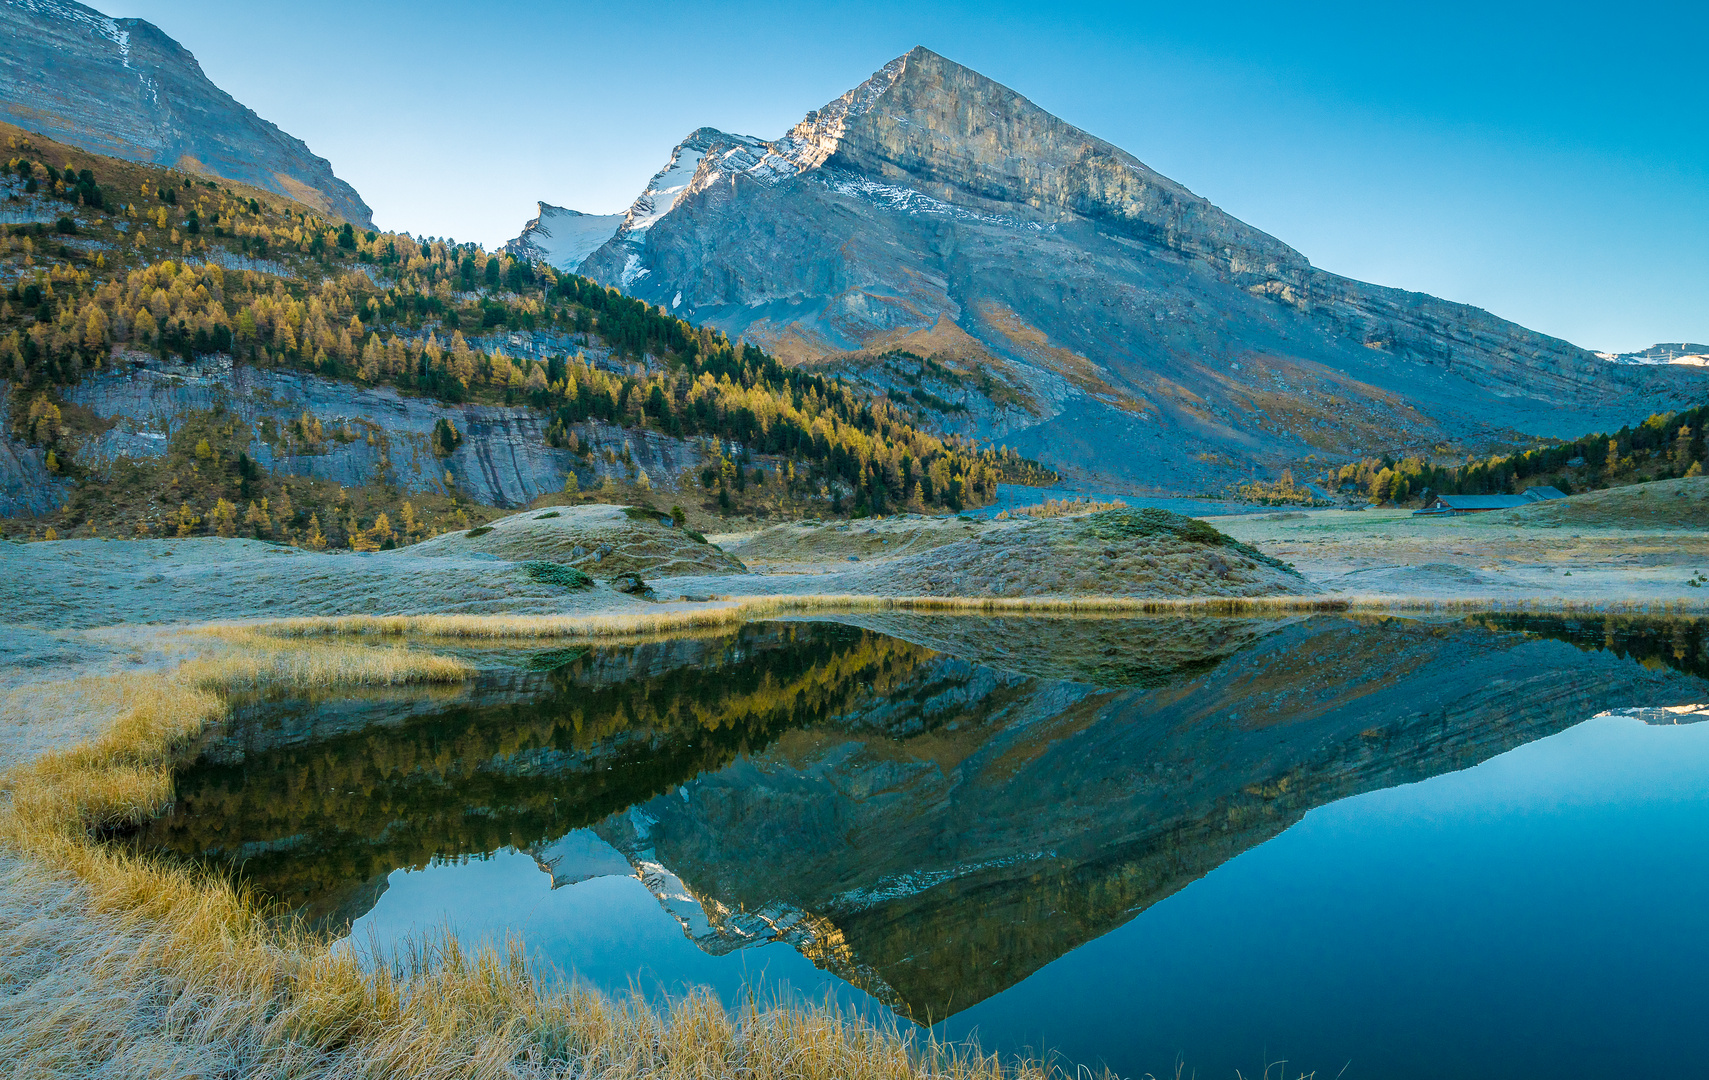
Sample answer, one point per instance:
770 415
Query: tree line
1664 446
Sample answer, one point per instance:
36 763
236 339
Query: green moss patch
551 573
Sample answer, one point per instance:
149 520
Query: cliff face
1132 328
503 460
123 88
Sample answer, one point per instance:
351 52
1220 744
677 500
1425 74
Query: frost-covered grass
600 539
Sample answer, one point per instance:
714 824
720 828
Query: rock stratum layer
1079 305
122 87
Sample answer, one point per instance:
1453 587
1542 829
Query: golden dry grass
1059 508
626 625
747 610
118 965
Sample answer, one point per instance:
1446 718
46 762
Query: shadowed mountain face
930 807
1077 304
123 88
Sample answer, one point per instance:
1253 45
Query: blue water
1540 914
608 932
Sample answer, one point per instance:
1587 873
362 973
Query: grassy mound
1679 504
599 540
1123 552
1112 553
1128 524
814 540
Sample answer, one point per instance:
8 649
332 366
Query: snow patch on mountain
906 200
1684 353
564 238
898 886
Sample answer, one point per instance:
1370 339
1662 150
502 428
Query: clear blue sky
1549 162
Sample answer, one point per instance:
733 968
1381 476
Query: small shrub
479 530
551 573
547 514
446 438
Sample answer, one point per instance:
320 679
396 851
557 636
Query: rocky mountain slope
502 459
933 230
123 88
206 352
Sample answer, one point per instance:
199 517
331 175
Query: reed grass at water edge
116 964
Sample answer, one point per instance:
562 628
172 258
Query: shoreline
122 652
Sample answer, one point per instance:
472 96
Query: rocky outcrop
503 459
26 486
123 88
1132 329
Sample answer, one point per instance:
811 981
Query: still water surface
1372 847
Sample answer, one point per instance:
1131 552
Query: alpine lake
1470 846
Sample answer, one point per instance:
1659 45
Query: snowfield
565 238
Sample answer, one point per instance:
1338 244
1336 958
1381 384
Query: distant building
1482 504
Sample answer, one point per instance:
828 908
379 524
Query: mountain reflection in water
932 808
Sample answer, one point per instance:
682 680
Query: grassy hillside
1679 503
129 263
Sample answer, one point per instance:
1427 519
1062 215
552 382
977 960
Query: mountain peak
1114 320
562 237
124 88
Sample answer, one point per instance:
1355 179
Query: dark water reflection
1035 827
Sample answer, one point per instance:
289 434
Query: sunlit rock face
123 88
1084 308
